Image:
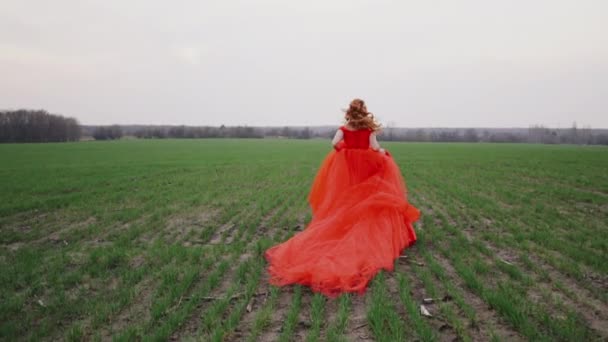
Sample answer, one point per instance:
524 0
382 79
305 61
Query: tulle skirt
361 222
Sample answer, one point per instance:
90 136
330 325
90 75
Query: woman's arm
337 138
373 142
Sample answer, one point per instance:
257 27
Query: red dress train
361 222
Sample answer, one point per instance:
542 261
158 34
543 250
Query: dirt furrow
488 320
136 312
272 332
190 327
357 328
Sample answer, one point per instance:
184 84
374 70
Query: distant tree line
189 132
533 134
37 126
40 126
107 132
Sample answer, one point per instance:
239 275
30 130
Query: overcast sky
465 63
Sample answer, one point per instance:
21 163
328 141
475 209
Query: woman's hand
385 152
339 146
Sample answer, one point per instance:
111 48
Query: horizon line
327 125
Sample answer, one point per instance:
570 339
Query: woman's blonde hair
358 117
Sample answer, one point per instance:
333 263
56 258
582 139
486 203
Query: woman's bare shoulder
349 128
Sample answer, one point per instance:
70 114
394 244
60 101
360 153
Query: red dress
361 222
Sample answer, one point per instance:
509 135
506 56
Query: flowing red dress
361 222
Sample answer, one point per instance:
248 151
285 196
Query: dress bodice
356 139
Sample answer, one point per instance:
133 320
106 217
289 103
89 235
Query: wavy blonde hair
358 117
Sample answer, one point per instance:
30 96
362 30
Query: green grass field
163 240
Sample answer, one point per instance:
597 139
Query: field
163 240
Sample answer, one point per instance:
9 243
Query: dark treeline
41 126
107 132
534 134
193 132
189 132
221 132
37 126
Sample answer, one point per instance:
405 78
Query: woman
361 220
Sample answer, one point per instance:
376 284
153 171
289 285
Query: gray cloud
434 63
